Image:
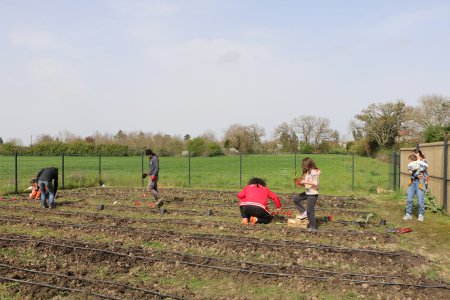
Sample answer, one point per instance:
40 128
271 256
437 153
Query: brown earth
198 249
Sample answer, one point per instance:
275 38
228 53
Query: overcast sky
185 67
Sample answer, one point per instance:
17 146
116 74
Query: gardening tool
398 230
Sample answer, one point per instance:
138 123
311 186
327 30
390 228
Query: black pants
248 211
311 203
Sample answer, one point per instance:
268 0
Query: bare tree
312 130
67 136
246 139
304 125
433 110
322 130
209 135
286 135
44 138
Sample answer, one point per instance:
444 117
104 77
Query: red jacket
257 195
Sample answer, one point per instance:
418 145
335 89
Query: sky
187 67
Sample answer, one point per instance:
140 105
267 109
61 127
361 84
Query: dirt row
127 250
82 260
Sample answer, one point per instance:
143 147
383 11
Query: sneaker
420 218
244 221
312 229
407 217
302 216
253 220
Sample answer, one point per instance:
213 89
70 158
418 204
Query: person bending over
253 202
47 180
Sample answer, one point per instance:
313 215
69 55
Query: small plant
373 189
431 203
366 220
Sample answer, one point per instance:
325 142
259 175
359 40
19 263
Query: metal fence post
15 173
100 165
142 168
62 167
240 170
189 169
445 190
398 173
295 167
353 172
395 171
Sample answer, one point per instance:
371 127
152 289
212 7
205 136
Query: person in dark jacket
153 171
48 178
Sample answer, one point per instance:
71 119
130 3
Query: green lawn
223 172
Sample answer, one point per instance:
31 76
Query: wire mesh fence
339 173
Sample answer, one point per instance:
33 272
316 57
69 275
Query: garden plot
196 248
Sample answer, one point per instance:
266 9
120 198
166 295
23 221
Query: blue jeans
414 189
51 193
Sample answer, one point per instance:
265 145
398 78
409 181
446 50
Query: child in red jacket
253 202
35 191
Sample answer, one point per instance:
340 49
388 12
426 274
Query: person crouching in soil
253 202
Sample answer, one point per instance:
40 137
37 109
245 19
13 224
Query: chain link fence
339 173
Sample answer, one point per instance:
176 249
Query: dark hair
256 180
418 151
308 164
149 152
412 157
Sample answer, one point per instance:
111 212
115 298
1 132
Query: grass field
339 174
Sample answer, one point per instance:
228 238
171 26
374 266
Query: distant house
405 135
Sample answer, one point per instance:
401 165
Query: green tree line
379 127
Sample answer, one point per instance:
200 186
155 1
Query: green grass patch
428 238
340 173
154 245
7 293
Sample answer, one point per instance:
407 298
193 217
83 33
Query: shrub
214 149
305 148
436 133
196 146
358 147
431 203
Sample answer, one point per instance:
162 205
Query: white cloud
147 33
56 80
34 39
142 8
407 22
229 57
42 41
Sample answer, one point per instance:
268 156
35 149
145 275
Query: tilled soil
197 249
